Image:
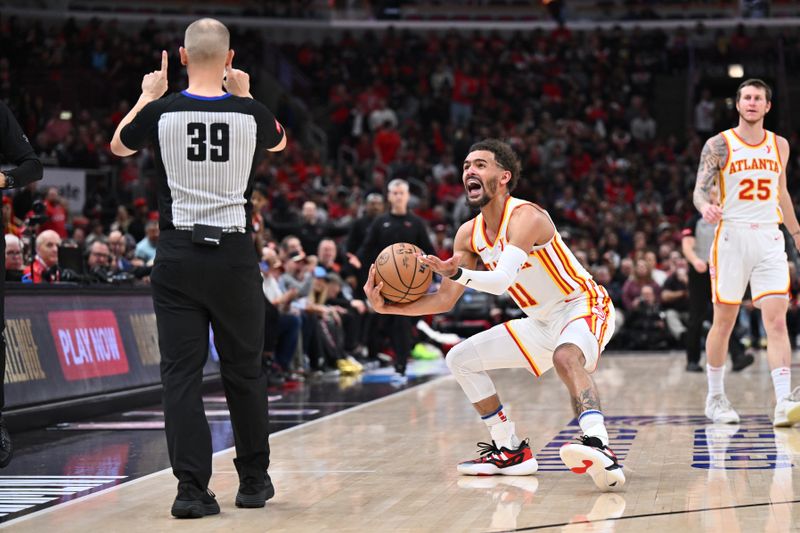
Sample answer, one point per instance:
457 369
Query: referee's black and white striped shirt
206 152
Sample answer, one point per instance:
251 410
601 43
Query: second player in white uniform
748 165
570 318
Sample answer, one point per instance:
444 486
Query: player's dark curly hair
505 157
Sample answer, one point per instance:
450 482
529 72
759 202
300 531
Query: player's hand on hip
155 84
445 268
237 82
712 213
373 292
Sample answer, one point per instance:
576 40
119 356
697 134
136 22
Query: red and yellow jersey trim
760 143
491 243
522 349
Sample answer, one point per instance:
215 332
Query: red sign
88 343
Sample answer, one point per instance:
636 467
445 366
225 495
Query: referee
207 145
14 148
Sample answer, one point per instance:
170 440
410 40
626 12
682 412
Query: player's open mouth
474 187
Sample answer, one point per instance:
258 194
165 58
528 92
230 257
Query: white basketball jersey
550 277
748 182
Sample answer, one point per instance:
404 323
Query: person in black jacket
358 232
398 225
14 148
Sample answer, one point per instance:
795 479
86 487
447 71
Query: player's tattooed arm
586 400
712 158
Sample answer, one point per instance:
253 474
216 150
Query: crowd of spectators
576 106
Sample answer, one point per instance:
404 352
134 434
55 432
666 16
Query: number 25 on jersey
760 189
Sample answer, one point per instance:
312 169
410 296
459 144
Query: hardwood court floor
390 465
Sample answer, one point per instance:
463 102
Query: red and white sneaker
595 458
501 461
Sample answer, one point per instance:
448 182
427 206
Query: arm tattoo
714 154
585 401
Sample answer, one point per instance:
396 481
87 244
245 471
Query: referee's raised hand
154 85
237 82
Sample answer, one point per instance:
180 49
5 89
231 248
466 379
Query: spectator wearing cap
315 346
298 269
323 331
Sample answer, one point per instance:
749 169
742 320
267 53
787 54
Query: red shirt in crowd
387 143
56 219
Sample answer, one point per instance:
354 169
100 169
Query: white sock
501 429
782 381
592 424
503 435
716 383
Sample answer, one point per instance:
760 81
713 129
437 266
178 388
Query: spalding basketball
404 278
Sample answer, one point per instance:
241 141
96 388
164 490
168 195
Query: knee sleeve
465 363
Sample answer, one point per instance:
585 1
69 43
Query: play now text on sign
88 343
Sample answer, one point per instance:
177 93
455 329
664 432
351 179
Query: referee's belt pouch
206 235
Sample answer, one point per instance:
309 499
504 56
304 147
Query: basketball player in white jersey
748 163
570 318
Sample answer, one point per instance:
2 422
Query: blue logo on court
751 445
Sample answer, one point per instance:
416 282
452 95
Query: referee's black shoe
194 502
254 492
6 448
742 361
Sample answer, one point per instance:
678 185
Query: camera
39 216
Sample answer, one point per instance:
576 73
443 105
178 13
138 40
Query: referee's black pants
194 286
701 309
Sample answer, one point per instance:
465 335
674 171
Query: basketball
404 278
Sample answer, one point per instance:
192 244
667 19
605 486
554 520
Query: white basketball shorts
748 253
529 343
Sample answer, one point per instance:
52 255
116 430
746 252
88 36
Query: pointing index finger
164 61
